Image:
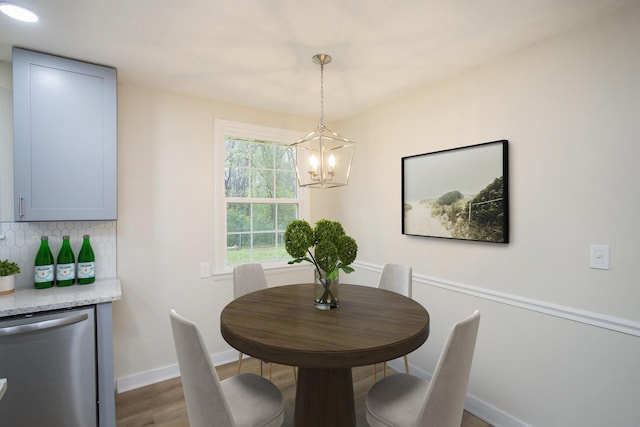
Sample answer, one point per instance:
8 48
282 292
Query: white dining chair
249 278
245 400
405 400
396 278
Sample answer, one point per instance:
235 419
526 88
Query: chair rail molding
600 320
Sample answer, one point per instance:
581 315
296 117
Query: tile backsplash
20 241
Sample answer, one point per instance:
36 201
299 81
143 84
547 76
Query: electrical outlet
205 268
599 257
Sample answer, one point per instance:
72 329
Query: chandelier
323 157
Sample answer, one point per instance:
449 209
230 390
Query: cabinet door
65 130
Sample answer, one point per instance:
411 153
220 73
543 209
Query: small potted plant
8 271
333 251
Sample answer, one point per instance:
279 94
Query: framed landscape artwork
460 193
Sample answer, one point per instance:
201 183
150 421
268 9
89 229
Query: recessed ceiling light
18 12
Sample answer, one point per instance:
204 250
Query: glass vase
326 292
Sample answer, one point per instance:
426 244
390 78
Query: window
257 193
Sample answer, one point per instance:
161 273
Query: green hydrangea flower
298 238
348 249
333 249
327 230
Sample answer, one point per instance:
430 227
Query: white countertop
31 300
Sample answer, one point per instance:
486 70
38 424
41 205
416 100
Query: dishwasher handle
39 326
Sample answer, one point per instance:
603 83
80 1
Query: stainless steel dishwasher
49 361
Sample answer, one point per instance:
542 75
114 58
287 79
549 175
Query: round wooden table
281 325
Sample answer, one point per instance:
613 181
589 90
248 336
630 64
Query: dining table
280 324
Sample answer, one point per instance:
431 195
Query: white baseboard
168 372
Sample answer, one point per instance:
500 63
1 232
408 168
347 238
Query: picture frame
459 193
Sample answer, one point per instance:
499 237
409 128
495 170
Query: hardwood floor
162 404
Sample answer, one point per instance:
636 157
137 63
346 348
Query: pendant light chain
322 94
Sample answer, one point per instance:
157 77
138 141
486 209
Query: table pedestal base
324 397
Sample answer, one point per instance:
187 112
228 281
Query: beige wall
165 222
569 107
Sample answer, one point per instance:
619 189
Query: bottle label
86 270
65 272
44 273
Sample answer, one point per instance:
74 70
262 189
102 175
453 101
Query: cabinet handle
20 206
39 326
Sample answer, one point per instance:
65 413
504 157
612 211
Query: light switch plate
205 270
599 257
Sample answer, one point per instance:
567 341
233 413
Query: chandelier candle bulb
314 164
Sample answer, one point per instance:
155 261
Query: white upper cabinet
65 139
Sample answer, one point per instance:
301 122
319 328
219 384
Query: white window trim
221 129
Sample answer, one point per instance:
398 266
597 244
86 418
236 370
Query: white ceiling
258 52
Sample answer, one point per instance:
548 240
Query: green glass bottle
86 263
44 265
66 264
